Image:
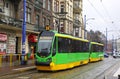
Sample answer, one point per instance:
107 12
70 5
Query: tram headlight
52 64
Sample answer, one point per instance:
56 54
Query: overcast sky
106 14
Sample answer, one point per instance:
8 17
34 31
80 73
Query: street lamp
85 21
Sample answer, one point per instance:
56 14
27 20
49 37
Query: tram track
82 70
101 67
64 74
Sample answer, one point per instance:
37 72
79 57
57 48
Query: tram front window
44 46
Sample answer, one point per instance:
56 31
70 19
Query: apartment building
64 16
68 17
55 14
9 26
38 15
78 18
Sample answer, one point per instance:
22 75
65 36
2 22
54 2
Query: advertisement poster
3 37
11 45
2 48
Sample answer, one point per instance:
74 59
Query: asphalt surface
105 69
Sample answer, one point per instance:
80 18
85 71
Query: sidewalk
15 69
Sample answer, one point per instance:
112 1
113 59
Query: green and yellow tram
96 51
57 51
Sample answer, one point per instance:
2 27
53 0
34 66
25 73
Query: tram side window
100 49
63 45
85 47
79 46
94 48
97 48
74 46
54 48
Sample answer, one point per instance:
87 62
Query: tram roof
97 43
69 36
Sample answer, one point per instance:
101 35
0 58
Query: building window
56 6
28 13
37 20
68 9
71 0
7 5
48 21
71 10
44 3
49 4
76 31
44 21
62 8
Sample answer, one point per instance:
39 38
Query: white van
116 54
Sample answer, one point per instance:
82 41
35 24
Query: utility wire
106 11
109 17
112 22
97 11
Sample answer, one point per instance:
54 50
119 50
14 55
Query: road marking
117 73
25 68
23 77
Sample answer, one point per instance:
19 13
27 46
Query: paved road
97 70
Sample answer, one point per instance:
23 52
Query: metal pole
112 44
23 33
116 44
84 26
106 40
59 26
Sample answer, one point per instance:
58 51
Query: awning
32 38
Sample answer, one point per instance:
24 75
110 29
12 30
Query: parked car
106 55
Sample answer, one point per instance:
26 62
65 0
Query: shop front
32 41
3 43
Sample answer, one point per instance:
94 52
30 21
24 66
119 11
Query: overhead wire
107 13
97 11
109 17
101 16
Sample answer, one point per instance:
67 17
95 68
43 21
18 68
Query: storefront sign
3 37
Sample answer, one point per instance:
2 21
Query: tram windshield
44 43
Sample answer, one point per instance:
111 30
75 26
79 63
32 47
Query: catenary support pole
23 62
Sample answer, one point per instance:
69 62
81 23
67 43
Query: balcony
13 23
62 15
38 4
10 21
76 23
77 9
